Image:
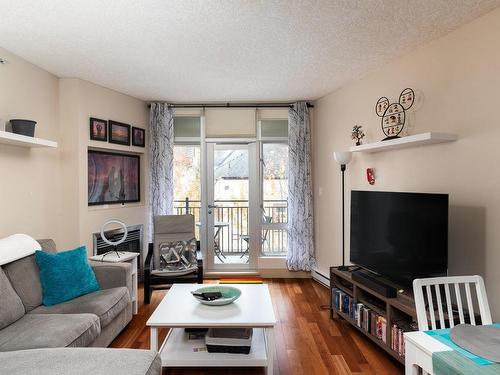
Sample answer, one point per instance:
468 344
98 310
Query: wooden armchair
169 228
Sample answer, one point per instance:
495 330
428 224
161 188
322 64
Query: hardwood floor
307 340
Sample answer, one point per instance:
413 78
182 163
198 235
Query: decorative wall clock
394 114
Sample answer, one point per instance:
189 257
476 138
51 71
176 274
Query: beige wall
100 102
43 192
29 178
459 83
81 100
69 148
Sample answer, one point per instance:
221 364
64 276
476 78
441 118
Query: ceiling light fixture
3 61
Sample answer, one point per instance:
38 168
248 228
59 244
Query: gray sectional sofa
92 320
80 361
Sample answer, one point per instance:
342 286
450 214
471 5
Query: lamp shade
342 157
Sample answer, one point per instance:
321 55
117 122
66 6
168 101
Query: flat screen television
113 178
400 236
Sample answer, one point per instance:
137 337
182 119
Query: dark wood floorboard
307 340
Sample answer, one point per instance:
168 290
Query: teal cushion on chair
65 275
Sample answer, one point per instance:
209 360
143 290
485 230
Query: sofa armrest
112 275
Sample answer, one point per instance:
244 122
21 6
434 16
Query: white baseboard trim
270 273
320 277
217 274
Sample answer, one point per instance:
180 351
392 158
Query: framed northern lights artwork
113 178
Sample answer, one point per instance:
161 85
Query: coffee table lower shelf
178 351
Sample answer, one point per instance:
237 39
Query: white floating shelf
24 141
406 142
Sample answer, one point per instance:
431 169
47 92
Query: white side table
125 257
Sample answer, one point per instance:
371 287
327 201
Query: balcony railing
235 213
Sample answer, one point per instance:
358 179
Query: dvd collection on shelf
370 321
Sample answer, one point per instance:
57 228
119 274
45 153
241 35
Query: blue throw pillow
65 275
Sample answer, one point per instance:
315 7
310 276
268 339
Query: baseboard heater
320 278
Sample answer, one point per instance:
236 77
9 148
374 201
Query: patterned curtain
161 159
300 191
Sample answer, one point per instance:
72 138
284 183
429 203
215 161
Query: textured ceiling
195 50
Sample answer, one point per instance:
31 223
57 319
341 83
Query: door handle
210 206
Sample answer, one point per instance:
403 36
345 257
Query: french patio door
232 206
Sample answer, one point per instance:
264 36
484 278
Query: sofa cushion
11 306
50 331
25 277
47 245
81 361
65 275
106 304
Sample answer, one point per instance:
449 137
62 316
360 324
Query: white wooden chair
424 302
432 306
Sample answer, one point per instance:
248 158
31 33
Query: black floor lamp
343 158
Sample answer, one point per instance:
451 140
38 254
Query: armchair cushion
178 257
171 229
173 273
65 275
153 281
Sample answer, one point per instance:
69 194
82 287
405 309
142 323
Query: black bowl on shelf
23 127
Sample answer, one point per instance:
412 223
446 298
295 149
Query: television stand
399 313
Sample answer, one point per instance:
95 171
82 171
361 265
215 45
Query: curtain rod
233 105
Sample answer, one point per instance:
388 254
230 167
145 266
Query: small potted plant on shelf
357 134
23 127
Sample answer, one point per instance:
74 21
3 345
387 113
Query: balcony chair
246 237
168 230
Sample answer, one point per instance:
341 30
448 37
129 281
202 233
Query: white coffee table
179 310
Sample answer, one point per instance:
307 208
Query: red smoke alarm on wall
370 176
